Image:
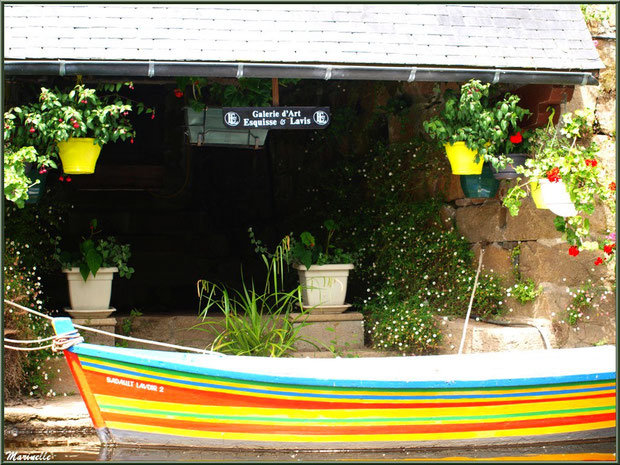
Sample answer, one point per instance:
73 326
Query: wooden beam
275 92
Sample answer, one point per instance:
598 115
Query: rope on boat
471 301
59 343
99 331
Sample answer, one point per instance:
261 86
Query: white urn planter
90 298
324 286
556 198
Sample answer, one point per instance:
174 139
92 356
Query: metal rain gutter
292 70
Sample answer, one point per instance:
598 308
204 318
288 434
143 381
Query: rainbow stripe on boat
161 398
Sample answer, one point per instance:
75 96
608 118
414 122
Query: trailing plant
568 155
22 285
18 163
37 228
256 322
97 253
401 323
471 116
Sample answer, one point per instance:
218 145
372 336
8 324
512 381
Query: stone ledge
316 317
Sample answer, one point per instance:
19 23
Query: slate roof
510 36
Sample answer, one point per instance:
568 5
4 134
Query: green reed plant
256 321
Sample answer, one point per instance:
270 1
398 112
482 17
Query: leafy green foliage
525 291
97 253
307 252
256 322
472 117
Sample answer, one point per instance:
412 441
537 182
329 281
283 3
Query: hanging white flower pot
556 198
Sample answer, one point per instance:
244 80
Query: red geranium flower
591 163
573 251
178 93
609 249
553 175
517 138
598 261
612 186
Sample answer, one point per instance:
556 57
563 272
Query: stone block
597 327
447 214
337 331
549 261
605 113
177 330
583 97
496 260
103 324
606 154
486 337
530 224
481 222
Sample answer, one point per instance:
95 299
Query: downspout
292 70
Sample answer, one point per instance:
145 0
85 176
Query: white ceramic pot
324 285
92 294
556 198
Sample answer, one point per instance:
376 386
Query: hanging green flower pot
482 185
35 191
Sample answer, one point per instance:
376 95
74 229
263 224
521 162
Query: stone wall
543 257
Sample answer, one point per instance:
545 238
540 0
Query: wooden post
275 92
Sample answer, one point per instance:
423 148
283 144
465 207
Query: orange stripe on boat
85 389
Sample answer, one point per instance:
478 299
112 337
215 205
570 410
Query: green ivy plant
524 290
94 254
568 155
472 117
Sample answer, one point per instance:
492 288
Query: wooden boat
159 398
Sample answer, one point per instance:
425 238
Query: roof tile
489 35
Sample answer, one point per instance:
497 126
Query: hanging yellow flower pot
79 155
537 196
463 160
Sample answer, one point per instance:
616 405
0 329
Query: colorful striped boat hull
161 398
